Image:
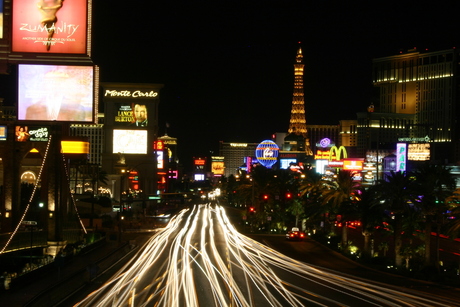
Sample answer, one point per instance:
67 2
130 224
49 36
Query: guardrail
60 291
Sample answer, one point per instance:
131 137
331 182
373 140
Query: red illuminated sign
50 26
324 155
158 145
200 162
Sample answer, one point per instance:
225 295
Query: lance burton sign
130 94
50 26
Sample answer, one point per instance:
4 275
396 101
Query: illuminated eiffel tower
298 123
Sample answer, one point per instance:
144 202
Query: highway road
200 259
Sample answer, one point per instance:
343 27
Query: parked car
295 235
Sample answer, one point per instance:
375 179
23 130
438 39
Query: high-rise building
235 155
425 85
95 135
348 133
298 124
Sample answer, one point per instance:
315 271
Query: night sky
227 66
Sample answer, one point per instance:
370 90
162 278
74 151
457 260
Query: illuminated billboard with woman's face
50 26
56 93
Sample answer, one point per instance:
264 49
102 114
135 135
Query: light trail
200 259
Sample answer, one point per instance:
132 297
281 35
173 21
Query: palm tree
384 245
341 196
310 192
394 195
453 226
371 217
297 209
435 183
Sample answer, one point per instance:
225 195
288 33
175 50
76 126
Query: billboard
218 168
353 164
218 165
32 134
286 163
418 152
3 132
50 26
74 147
131 114
55 93
130 141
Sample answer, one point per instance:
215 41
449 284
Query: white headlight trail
200 259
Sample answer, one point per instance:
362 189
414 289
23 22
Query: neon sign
340 153
135 94
325 143
324 154
267 153
401 157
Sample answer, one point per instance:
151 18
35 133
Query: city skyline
228 67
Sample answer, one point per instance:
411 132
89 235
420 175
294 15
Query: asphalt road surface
199 259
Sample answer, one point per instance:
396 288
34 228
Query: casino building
55 137
57 86
418 98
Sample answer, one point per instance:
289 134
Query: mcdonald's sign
340 153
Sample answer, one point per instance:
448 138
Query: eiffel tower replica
297 136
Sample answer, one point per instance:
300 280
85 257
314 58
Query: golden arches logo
338 153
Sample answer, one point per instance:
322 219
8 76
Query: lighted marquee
267 153
286 163
199 177
130 141
131 114
217 165
160 160
353 164
325 143
199 162
32 134
50 26
321 166
218 168
324 154
158 147
418 152
401 157
135 94
56 93
74 147
130 105
3 133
